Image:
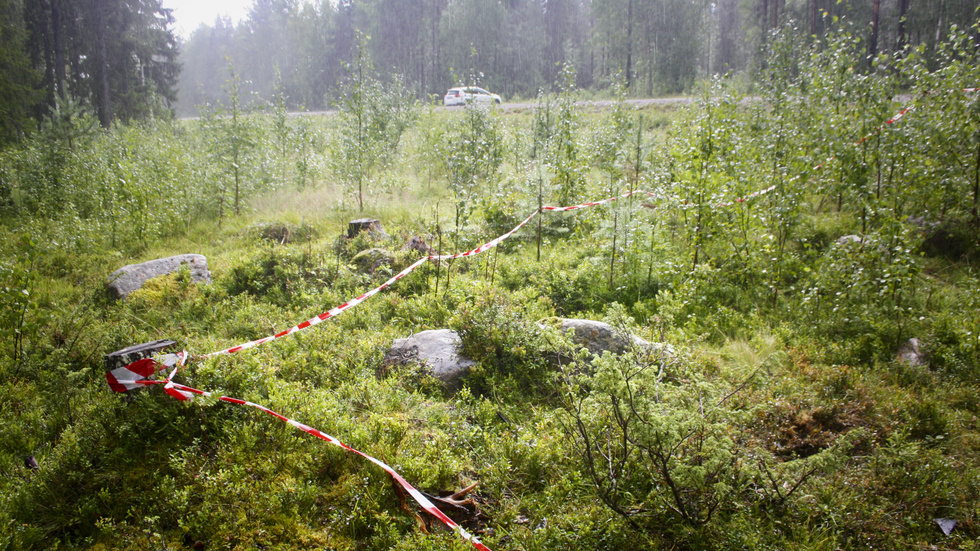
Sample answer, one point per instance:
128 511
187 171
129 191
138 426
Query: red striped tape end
125 378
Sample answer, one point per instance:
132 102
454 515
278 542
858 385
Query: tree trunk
903 8
102 58
814 14
725 61
765 20
629 44
939 24
421 46
976 191
875 16
370 225
59 51
46 30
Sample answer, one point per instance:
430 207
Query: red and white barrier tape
336 311
895 118
134 376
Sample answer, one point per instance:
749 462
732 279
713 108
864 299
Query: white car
469 94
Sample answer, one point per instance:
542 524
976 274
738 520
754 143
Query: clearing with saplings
750 320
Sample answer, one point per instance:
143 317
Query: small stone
31 463
599 337
910 354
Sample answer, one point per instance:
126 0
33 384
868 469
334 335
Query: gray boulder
848 239
599 336
368 261
923 223
436 349
910 354
129 278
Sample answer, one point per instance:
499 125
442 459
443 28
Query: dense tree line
117 57
517 47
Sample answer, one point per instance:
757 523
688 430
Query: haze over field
191 14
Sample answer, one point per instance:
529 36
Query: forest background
123 58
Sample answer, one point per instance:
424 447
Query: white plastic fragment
945 524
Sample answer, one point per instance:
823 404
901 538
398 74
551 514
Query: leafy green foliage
561 151
473 150
19 312
373 117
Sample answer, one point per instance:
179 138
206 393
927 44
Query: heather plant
664 444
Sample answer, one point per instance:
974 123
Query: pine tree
18 95
118 55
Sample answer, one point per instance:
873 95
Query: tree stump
371 225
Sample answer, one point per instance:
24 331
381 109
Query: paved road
530 105
606 103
